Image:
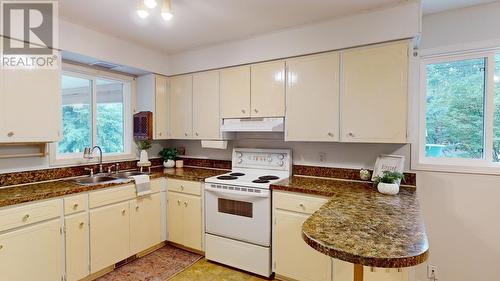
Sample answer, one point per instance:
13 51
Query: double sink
107 178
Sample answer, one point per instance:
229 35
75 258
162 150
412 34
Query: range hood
253 125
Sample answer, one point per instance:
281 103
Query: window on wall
96 110
460 111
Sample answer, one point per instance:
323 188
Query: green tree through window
455 109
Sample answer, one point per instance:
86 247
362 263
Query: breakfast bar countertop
45 190
362 226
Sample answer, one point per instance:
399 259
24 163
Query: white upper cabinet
312 111
206 119
181 107
374 94
153 95
235 92
30 105
268 89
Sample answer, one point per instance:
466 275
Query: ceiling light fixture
166 10
142 12
151 4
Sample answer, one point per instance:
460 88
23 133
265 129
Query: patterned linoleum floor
204 270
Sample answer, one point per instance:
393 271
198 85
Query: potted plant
168 155
143 146
388 183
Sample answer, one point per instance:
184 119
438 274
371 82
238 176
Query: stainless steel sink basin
94 180
126 175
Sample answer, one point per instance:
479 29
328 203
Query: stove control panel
274 159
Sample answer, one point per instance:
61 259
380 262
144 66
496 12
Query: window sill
493 169
61 162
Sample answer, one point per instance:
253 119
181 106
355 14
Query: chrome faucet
87 153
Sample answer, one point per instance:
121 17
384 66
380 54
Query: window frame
484 165
93 74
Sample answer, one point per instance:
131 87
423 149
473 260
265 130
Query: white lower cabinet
77 246
109 235
295 259
32 253
145 222
185 214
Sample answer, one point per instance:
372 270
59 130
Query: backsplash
25 177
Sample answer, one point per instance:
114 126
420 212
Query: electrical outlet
322 157
432 272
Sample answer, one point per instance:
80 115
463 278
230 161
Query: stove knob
240 160
239 154
281 163
281 156
270 159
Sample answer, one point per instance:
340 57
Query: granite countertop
362 226
45 190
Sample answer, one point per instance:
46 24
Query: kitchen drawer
187 187
75 204
28 214
306 204
111 195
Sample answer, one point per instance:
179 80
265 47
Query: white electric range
238 209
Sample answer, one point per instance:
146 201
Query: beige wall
462 218
461 211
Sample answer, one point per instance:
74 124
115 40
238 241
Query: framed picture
385 162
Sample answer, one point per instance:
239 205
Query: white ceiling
198 23
436 6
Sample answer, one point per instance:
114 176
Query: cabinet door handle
182 187
159 134
185 134
123 212
185 203
301 205
1 247
351 134
243 111
137 208
82 224
178 202
75 206
26 217
330 134
256 111
196 134
10 134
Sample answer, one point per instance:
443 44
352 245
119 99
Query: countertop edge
399 262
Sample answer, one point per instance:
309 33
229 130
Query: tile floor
204 270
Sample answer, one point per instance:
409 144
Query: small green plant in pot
388 182
143 146
168 155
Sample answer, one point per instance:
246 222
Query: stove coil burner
227 177
260 181
268 178
236 174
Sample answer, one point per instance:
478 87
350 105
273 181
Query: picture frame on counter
386 162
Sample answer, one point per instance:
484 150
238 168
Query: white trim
128 107
485 165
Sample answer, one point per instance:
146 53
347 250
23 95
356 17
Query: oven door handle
241 194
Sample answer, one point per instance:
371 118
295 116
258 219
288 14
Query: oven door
240 215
